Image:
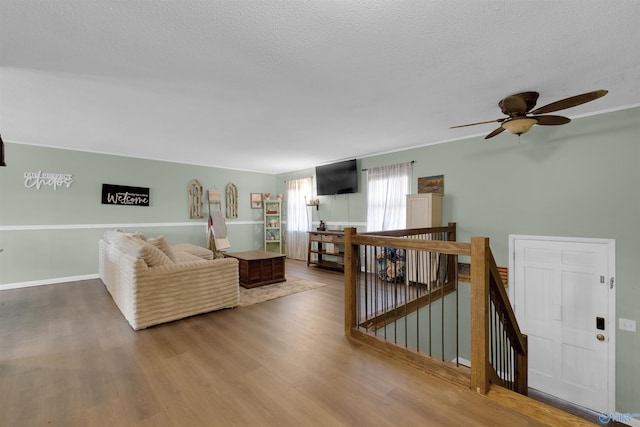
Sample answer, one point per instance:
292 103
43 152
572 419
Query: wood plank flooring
68 358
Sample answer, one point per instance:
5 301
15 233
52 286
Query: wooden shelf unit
273 226
326 249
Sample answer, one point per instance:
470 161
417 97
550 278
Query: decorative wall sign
431 184
55 180
124 195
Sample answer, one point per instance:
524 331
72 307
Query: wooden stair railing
394 314
494 330
518 341
502 358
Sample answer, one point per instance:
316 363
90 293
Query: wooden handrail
517 339
392 315
511 324
451 228
441 246
486 288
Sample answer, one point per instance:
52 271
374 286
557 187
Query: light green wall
578 180
339 211
72 219
424 329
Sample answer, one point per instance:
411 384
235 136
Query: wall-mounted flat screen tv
337 178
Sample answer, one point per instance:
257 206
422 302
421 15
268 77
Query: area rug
293 285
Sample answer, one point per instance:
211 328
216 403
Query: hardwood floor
68 358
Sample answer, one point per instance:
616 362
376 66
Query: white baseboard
462 361
624 418
43 282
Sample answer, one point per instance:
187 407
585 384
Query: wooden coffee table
259 268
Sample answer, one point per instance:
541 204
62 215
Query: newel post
452 265
522 369
480 314
350 275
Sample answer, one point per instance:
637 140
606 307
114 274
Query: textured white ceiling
277 86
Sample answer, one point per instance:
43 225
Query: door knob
600 337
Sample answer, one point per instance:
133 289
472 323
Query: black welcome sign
124 195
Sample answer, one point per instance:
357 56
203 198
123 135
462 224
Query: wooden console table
259 268
326 249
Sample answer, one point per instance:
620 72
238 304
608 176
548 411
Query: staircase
403 296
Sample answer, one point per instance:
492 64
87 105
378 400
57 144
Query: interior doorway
563 293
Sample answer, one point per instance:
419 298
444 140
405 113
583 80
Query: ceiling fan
521 117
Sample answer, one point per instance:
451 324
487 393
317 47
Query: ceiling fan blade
570 102
530 98
511 105
495 132
551 120
479 123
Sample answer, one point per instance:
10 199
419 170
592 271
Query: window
387 187
298 217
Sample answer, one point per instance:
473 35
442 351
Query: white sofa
152 281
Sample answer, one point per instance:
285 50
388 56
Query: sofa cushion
161 243
199 251
138 248
111 236
182 257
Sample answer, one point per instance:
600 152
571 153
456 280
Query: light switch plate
626 325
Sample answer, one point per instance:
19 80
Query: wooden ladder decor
214 198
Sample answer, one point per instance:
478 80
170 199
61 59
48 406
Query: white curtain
299 191
387 187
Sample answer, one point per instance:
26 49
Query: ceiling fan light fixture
519 126
521 118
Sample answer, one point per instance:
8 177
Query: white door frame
611 332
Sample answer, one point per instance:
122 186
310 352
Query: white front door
564 297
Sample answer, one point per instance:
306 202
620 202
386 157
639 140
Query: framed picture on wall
431 184
256 200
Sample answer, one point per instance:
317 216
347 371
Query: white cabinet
424 210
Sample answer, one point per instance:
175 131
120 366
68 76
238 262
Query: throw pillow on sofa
111 236
154 256
161 243
133 246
